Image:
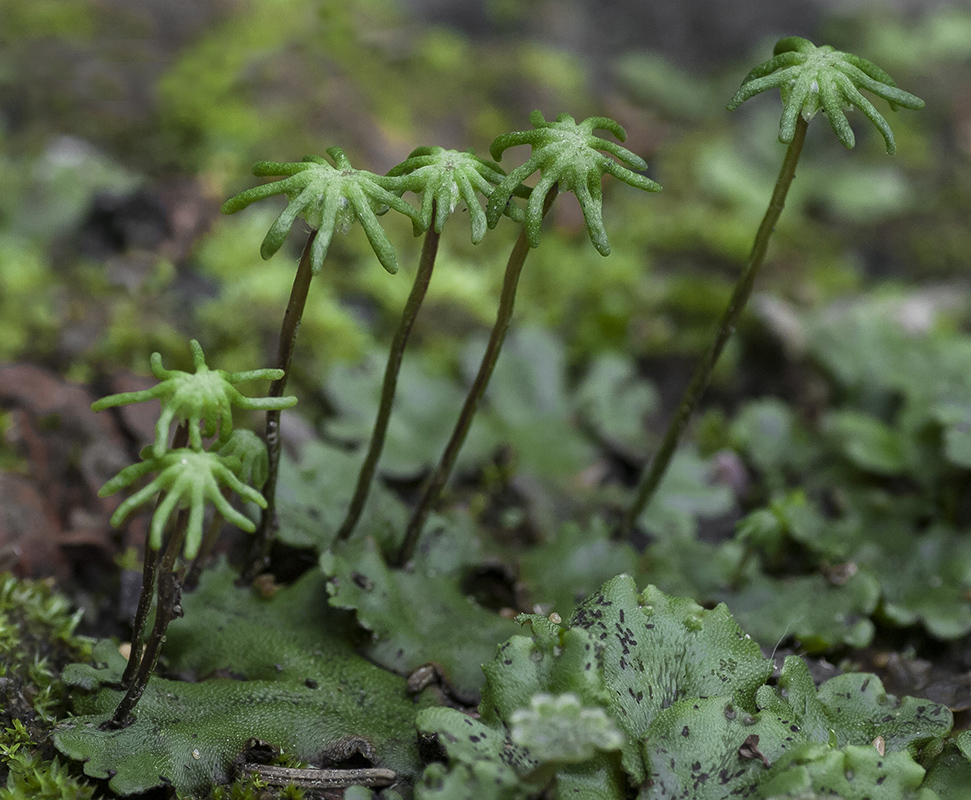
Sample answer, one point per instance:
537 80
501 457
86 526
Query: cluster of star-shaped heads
191 476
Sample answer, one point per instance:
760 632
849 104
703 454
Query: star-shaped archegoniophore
329 198
568 154
811 78
189 479
444 177
203 399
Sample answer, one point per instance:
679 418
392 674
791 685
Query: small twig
312 778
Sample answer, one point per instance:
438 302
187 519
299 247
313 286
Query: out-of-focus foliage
24 274
898 413
286 73
323 73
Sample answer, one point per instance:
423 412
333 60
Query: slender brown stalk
149 568
167 609
366 476
743 289
438 479
266 530
149 572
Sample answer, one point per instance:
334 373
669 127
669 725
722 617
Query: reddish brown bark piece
29 532
68 452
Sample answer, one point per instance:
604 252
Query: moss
32 777
37 640
24 326
253 788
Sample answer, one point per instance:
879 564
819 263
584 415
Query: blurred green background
834 436
124 125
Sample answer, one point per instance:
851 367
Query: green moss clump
37 640
31 776
253 788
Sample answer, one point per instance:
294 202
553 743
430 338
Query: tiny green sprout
202 399
443 178
329 198
189 479
250 449
560 728
811 78
567 154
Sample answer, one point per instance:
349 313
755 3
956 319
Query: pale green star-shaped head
329 198
443 178
189 479
569 155
203 399
811 78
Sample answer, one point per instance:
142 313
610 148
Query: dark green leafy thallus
422 614
687 691
297 684
903 416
